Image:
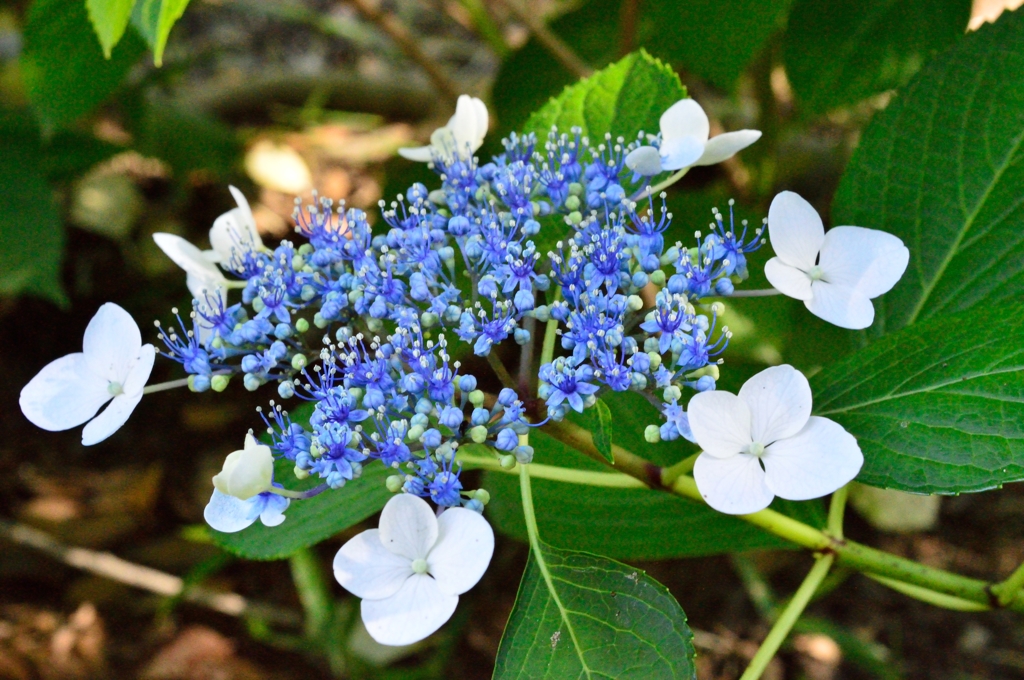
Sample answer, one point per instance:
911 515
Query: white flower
684 142
113 366
463 134
411 571
837 273
234 231
765 443
229 514
232 234
247 472
203 277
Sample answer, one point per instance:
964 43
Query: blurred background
106 568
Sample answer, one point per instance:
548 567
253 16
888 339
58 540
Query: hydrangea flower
229 514
203 278
685 142
765 443
463 134
234 232
411 570
836 274
113 366
247 472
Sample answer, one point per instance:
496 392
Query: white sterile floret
685 142
837 273
234 232
765 443
411 570
460 138
113 366
229 514
247 472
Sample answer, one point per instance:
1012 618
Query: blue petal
229 514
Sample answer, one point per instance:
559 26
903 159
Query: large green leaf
63 68
635 524
609 621
628 96
840 51
943 168
31 233
937 407
312 520
110 19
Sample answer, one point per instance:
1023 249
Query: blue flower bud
431 438
286 389
724 287
251 382
705 383
524 300
459 226
506 440
523 454
451 417
507 396
480 416
282 331
474 505
467 383
250 363
521 336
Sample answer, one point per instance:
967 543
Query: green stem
537 551
313 592
674 472
547 352
836 510
611 480
169 385
499 370
661 186
929 596
789 616
1010 589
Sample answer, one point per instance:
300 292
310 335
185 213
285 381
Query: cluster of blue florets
559 233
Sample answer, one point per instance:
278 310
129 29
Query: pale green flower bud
247 472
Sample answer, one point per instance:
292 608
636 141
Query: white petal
273 511
732 485
247 220
465 543
408 527
365 568
187 256
227 513
482 122
818 460
680 152
720 422
788 280
110 419
420 154
112 342
685 118
867 259
418 609
140 370
64 394
845 307
206 287
780 403
645 161
795 230
726 145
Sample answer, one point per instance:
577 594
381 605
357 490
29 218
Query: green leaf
65 73
634 524
110 19
609 620
942 168
628 96
937 407
155 19
312 520
31 233
599 419
841 51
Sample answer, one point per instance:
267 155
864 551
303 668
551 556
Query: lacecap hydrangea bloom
363 324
